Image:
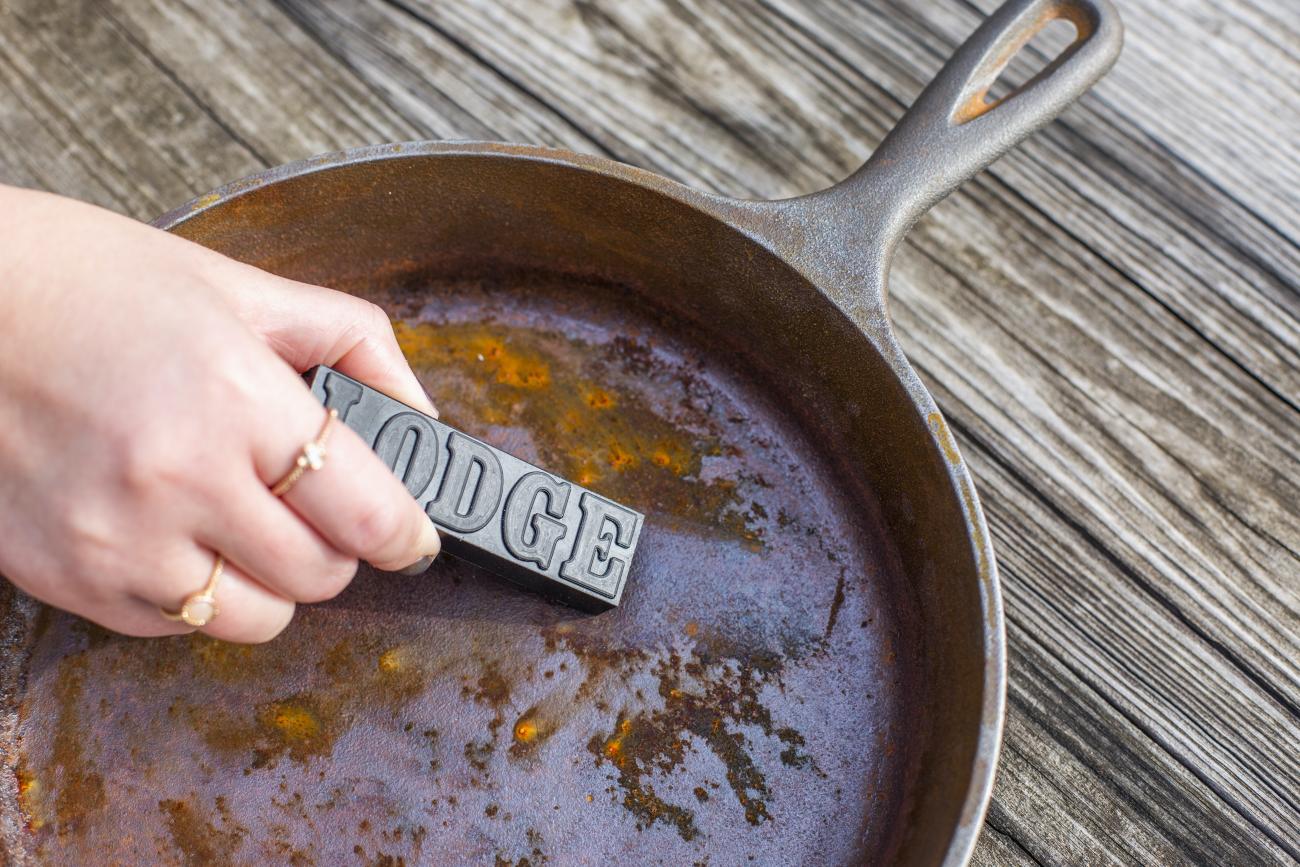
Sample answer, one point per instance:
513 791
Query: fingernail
430 540
419 567
430 544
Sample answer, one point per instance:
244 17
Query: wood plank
1068 806
87 114
1221 251
432 79
997 849
271 84
1110 317
1063 406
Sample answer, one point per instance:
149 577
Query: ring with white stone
200 608
312 457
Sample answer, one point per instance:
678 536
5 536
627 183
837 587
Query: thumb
308 325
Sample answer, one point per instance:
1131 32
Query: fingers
353 501
304 545
309 325
356 503
246 611
135 617
266 539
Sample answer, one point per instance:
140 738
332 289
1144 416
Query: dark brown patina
807 666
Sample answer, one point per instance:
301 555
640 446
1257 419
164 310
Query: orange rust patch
300 726
204 201
509 365
941 432
294 721
581 423
620 458
29 797
220 659
598 398
703 703
197 841
306 724
80 790
531 730
493 688
390 660
978 103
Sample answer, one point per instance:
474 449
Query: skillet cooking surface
752 700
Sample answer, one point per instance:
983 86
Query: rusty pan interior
795 674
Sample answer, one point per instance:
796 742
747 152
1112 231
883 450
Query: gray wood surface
1110 317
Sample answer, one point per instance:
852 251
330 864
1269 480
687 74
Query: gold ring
199 609
312 457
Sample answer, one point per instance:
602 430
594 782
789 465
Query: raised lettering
596 543
522 515
390 444
341 394
446 508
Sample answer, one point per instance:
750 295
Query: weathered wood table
1110 317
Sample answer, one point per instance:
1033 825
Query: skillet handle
952 131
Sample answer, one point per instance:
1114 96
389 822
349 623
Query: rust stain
300 726
221 660
30 793
305 724
526 729
80 789
390 661
531 731
294 720
599 398
941 433
990 71
705 702
204 201
562 392
195 838
515 365
492 687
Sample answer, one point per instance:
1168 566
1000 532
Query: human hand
149 396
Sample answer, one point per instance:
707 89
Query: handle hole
1021 64
1046 45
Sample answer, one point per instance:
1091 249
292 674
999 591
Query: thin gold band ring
312 457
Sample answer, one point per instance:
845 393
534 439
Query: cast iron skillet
808 666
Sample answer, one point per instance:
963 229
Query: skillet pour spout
808 662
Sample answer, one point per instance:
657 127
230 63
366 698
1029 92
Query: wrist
23 213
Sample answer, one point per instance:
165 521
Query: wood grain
1110 317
